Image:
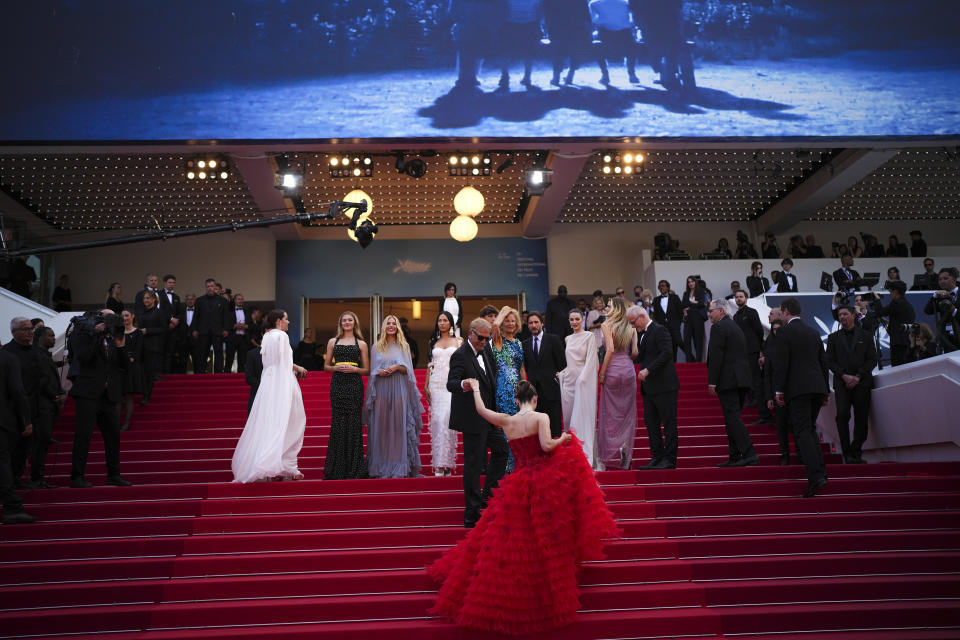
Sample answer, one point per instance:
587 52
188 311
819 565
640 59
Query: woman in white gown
273 435
443 439
578 386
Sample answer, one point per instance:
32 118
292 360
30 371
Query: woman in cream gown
273 434
578 386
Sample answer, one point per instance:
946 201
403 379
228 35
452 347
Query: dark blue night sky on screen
297 69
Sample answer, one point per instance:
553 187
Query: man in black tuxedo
151 283
543 359
800 381
748 320
21 347
238 342
14 425
252 371
787 282
99 360
667 313
556 319
153 326
847 279
900 313
851 356
50 403
728 378
171 305
187 345
659 388
472 360
211 327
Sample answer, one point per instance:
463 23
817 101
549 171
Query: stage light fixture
628 163
538 180
506 164
289 177
476 164
206 167
351 166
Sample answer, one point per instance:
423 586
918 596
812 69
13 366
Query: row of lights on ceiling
626 164
207 167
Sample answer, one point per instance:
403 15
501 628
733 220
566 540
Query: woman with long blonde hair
348 360
392 410
617 423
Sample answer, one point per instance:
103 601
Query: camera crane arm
337 207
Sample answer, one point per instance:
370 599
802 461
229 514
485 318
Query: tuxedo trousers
11 501
43 424
739 444
100 413
204 342
475 446
803 411
660 417
237 346
857 399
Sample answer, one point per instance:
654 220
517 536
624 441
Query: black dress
62 300
114 305
345 457
133 379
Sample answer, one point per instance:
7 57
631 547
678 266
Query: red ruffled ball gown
516 571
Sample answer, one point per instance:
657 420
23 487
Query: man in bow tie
238 342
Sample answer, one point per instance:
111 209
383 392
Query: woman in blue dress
508 353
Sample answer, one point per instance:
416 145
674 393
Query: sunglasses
480 337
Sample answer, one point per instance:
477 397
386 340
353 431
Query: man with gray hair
21 347
728 377
659 387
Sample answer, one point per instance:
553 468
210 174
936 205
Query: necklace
524 412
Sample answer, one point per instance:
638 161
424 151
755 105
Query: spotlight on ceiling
506 164
414 167
206 167
626 163
289 177
352 165
469 164
538 180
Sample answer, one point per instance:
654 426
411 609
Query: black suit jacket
757 286
542 370
153 324
172 310
727 366
186 330
843 282
230 321
252 371
748 320
211 315
463 412
14 408
673 317
859 361
900 313
771 360
783 287
801 365
163 304
655 354
99 368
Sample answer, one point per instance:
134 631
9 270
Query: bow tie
239 308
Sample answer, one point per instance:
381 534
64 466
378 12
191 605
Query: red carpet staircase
707 552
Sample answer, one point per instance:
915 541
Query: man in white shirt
237 342
787 282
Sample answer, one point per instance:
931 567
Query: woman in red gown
516 571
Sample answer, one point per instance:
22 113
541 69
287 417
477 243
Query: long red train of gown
516 571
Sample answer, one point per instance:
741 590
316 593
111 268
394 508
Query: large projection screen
128 70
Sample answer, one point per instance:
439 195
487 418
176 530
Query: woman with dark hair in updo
516 570
273 434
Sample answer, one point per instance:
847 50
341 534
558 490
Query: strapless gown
516 571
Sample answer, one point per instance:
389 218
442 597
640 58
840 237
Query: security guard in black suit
851 356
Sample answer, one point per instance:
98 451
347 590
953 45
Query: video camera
87 324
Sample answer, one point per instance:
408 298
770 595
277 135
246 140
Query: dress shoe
814 487
749 461
784 460
729 462
42 484
652 464
118 481
80 483
145 401
469 524
20 485
665 464
125 427
18 518
858 460
759 421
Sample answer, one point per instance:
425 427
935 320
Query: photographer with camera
97 348
943 305
900 313
851 356
922 343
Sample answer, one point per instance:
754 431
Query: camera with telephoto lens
87 324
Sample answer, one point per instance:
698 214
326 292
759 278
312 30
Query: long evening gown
273 434
392 413
509 359
443 439
345 457
617 423
578 391
516 571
